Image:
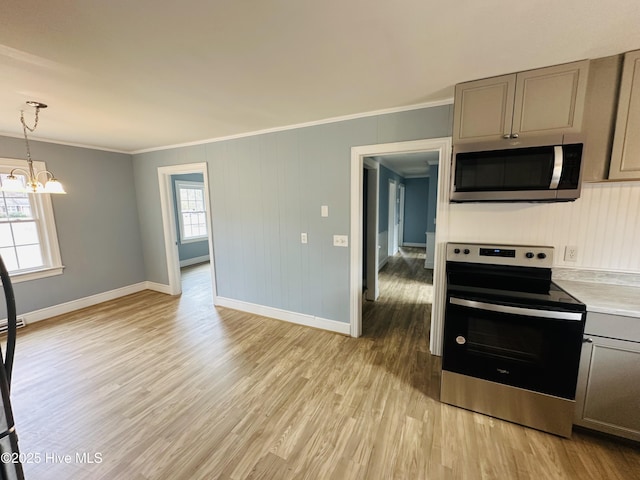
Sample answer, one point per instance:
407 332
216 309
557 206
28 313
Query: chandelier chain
30 183
35 124
24 129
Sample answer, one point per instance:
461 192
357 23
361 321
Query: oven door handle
528 312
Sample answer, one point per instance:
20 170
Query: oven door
521 346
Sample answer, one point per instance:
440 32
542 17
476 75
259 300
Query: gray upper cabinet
546 101
483 110
599 119
625 156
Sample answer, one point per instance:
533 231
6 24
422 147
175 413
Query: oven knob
456 250
460 340
542 256
529 255
467 251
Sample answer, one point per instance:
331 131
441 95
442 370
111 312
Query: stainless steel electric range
512 338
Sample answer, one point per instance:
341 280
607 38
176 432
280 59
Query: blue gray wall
97 223
416 198
267 189
187 251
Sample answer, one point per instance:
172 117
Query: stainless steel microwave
535 174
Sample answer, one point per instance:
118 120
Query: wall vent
4 325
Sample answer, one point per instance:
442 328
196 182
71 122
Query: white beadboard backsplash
604 223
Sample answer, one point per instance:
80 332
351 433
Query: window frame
190 185
42 210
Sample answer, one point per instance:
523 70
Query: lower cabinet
608 393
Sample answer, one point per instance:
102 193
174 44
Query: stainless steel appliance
512 338
538 173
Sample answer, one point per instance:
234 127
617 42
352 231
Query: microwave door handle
529 312
558 161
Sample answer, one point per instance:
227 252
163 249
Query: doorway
370 219
170 222
401 199
393 218
443 148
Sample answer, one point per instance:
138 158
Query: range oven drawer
521 346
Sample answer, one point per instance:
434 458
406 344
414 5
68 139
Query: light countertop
605 297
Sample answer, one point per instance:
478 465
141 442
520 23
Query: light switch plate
341 240
324 211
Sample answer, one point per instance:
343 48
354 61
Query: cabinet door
483 109
608 395
550 100
599 119
625 156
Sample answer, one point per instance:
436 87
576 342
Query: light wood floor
170 388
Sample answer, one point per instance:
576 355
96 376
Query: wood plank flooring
155 387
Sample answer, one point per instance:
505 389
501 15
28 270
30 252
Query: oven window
505 341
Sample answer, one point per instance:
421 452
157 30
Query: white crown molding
438 103
66 144
418 106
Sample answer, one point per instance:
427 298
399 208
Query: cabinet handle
515 135
587 340
507 136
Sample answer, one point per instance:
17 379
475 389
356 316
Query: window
191 211
28 238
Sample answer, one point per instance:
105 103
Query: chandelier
31 182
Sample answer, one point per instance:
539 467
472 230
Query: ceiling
131 76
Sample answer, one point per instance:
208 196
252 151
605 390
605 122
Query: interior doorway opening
370 216
359 158
172 228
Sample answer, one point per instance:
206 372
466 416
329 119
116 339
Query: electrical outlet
570 253
303 238
340 240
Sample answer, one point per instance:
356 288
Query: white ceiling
134 75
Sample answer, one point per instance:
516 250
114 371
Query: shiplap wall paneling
604 223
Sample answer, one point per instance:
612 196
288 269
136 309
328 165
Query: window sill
36 274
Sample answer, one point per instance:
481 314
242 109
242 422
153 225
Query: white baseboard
62 308
158 287
411 244
194 260
287 316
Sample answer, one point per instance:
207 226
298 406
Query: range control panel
515 255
